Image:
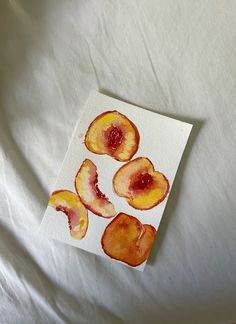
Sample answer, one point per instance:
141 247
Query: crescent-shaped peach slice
112 133
86 185
126 239
140 184
70 204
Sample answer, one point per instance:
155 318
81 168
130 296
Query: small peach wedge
128 240
86 185
112 133
70 204
140 184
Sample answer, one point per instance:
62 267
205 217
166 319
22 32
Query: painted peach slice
128 240
112 133
86 185
70 204
140 184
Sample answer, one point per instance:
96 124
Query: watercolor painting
86 185
140 184
126 239
112 133
116 180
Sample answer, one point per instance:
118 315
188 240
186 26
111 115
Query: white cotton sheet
177 58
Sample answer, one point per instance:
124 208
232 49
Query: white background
175 57
162 140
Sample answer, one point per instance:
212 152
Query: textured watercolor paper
134 178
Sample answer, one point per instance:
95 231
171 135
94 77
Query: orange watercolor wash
128 240
86 185
77 215
112 133
140 184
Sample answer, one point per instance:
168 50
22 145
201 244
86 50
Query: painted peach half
128 240
140 184
86 185
112 133
70 204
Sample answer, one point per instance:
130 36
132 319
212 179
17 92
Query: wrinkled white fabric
174 57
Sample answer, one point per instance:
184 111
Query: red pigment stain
114 137
98 191
94 184
68 212
142 182
124 225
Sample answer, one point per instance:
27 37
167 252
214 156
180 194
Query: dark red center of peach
68 212
114 137
142 182
96 189
98 192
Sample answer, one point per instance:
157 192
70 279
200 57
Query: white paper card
140 193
